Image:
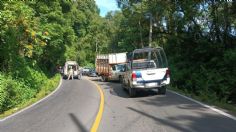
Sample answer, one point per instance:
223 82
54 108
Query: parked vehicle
118 72
85 71
92 73
74 65
110 66
146 69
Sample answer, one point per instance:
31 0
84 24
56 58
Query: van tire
162 90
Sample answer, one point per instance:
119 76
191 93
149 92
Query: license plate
151 84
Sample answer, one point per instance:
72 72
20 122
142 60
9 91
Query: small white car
147 69
74 65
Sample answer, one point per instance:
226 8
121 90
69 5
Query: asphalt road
149 112
73 108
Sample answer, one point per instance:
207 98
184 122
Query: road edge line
205 105
101 108
32 105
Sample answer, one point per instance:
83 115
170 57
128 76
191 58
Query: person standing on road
80 73
71 71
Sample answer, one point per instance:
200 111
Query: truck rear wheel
162 90
104 79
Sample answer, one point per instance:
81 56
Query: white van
74 65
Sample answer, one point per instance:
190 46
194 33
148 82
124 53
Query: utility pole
151 23
150 31
140 27
149 15
96 54
96 45
140 33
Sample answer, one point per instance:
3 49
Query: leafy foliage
198 36
36 36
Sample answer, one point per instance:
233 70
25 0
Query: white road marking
30 106
206 106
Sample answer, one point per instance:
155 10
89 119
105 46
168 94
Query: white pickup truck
147 68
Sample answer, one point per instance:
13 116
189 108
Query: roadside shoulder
221 111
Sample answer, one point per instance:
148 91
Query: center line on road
101 108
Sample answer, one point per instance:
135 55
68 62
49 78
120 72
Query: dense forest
37 36
199 38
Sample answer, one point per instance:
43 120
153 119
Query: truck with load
110 66
147 68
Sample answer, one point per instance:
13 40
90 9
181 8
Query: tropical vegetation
199 38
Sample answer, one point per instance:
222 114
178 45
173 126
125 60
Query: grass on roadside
46 89
229 108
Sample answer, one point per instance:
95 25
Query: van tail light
134 76
168 73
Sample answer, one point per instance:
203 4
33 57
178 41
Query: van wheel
162 90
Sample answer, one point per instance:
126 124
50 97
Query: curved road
74 106
157 113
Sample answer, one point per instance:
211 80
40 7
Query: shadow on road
205 122
96 79
171 99
171 111
121 92
116 89
80 126
162 121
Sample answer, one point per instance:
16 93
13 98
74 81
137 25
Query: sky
106 6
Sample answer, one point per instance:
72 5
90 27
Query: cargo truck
111 66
